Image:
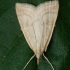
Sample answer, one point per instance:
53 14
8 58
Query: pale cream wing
25 17
49 16
38 29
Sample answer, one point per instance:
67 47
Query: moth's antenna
28 61
48 61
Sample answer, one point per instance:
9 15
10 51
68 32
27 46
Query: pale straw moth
37 25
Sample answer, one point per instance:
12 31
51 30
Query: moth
37 25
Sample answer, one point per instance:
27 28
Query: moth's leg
48 61
28 61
